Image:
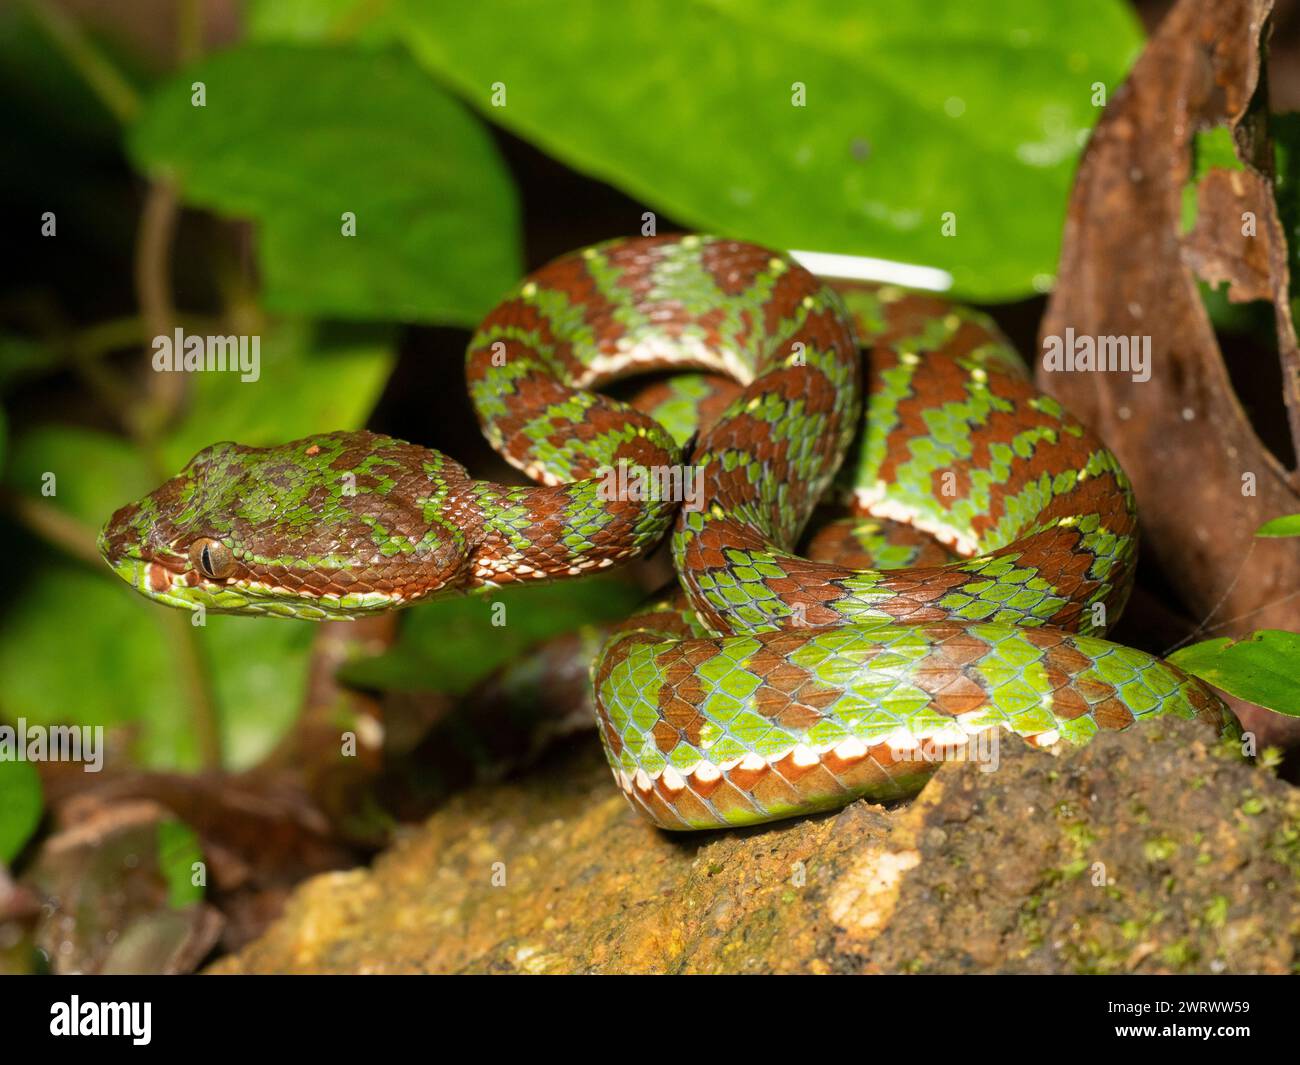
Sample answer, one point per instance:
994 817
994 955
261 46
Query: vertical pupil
207 561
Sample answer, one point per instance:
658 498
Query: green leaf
126 675
1284 526
20 806
258 671
178 850
295 137
310 379
911 110
1212 149
362 22
1262 668
90 473
21 358
450 646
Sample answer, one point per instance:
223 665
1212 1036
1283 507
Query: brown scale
734 265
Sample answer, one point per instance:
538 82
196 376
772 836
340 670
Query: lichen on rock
1149 850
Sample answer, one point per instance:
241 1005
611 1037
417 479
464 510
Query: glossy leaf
1262 668
1289 525
818 126
297 137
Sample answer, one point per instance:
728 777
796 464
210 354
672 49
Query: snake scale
990 541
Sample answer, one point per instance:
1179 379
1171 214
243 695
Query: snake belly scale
990 543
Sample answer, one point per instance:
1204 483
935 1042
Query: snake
891 549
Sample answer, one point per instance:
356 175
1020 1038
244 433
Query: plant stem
194 676
107 82
189 31
157 317
153 289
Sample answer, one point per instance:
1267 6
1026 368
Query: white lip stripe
863 268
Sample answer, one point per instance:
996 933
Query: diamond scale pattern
788 684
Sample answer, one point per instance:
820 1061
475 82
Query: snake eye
213 558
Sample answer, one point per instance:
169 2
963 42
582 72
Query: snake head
331 527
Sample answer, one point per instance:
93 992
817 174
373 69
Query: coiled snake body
993 540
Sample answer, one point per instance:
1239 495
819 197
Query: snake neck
527 534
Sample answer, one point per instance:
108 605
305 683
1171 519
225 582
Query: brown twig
54 526
158 318
189 31
193 671
107 82
153 289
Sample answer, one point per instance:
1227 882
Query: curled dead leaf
1128 270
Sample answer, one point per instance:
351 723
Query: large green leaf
84 473
258 669
912 110
294 137
1262 668
120 668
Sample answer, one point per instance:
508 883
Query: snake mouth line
166 585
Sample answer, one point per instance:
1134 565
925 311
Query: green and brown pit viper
991 541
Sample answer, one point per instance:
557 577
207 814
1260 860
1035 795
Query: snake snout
118 539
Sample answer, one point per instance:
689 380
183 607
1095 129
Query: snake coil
990 541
